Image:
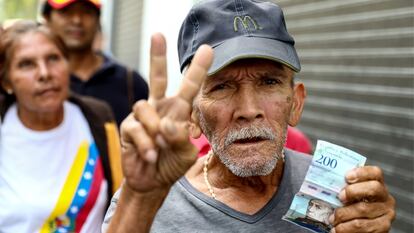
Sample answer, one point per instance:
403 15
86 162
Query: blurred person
298 141
59 153
243 101
93 73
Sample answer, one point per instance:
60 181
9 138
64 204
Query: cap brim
61 4
253 47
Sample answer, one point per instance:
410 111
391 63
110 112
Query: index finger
196 73
158 68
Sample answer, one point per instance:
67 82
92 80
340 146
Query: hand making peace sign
156 150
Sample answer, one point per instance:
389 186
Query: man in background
93 73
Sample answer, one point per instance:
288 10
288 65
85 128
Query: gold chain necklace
205 172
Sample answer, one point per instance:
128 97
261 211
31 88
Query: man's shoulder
87 101
297 165
298 157
113 66
90 105
111 63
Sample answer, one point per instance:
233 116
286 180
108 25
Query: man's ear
46 19
299 96
195 130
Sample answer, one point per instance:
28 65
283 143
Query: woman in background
59 153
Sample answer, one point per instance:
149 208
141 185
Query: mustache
249 132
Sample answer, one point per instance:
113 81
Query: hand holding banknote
339 195
368 207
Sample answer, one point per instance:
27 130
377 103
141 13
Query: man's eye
63 11
88 11
270 81
219 87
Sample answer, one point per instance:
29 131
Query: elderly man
244 106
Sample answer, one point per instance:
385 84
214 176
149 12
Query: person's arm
133 212
368 205
156 150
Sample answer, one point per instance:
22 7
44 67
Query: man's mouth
252 140
75 33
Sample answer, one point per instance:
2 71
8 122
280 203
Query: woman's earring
9 91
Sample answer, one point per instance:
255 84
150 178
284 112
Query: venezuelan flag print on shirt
79 194
53 180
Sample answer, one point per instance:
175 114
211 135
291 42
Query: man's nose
76 17
248 105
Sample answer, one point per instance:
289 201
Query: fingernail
351 176
159 139
342 196
151 156
331 219
332 230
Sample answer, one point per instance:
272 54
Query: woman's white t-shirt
50 181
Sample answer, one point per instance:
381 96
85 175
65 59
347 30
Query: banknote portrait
317 216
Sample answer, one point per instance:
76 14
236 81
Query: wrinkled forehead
253 62
253 66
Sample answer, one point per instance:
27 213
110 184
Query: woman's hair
11 37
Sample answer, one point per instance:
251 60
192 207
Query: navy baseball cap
237 29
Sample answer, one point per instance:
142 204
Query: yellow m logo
247 22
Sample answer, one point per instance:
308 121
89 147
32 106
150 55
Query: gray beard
237 167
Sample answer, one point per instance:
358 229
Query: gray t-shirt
187 210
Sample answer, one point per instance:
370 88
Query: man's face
244 111
319 211
76 24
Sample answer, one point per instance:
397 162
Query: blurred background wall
358 67
11 9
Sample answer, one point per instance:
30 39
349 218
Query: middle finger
196 73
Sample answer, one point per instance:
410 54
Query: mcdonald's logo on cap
247 21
